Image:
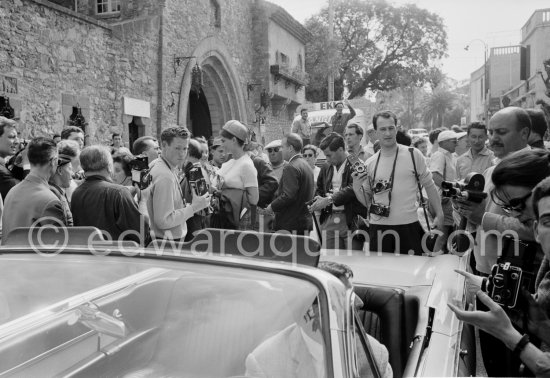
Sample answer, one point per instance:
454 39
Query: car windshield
104 316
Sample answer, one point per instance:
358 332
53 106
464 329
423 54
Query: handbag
431 238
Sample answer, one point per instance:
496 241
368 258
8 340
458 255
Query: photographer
334 197
527 206
389 190
513 179
167 208
509 130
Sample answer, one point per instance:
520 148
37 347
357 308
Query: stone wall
61 58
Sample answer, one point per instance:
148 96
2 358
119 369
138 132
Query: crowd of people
389 194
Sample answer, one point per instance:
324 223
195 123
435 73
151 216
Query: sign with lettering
8 85
328 105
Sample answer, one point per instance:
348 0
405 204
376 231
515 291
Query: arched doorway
200 122
220 98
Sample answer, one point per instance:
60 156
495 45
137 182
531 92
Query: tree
436 105
377 47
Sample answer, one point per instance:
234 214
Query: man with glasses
302 127
310 154
31 202
275 155
509 131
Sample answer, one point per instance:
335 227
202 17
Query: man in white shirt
371 138
478 158
167 208
353 134
442 166
389 189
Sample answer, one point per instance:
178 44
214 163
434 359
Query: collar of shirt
98 178
484 152
33 177
292 158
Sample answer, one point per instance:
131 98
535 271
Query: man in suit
341 212
31 202
295 190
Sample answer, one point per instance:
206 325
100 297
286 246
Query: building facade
517 75
477 94
138 66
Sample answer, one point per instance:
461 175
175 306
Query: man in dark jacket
295 190
341 212
100 203
267 186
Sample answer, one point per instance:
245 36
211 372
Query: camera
381 186
357 165
471 188
380 210
504 284
197 181
140 172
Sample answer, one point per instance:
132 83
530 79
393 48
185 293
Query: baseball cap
461 134
446 135
237 129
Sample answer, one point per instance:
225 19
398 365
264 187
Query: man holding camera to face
389 190
334 197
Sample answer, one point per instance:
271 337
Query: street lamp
486 89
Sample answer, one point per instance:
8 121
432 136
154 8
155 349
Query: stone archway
222 89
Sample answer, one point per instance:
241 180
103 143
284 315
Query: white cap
446 135
461 135
274 143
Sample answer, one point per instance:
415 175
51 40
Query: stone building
138 66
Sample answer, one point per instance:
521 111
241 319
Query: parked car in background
201 309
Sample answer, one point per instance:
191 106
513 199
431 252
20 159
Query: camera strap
411 150
391 175
177 181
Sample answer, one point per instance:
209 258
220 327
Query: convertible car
227 304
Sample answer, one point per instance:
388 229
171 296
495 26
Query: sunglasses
514 205
274 149
308 155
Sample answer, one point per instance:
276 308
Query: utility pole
331 53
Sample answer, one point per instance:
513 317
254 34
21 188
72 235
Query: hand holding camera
319 203
200 202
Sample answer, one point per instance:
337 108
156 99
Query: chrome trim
48 353
67 307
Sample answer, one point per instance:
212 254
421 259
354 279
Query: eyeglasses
514 205
274 149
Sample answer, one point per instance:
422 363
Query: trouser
399 238
335 231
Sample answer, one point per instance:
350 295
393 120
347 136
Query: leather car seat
383 317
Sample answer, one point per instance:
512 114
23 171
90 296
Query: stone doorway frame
221 86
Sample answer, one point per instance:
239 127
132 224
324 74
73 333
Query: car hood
392 270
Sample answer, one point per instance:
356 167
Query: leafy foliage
436 105
377 47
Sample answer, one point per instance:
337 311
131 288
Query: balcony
291 76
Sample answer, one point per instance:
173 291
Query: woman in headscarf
68 151
240 183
